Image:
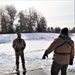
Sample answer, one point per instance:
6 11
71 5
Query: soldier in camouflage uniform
19 46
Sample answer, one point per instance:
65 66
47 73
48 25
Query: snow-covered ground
36 43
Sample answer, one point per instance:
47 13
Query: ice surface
36 44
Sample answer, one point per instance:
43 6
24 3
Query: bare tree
4 19
11 12
32 17
42 25
57 29
23 20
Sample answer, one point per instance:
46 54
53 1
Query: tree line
25 21
58 29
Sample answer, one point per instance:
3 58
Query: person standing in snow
19 46
63 48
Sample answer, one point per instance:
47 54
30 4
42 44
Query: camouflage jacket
19 45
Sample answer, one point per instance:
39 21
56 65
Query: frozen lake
36 44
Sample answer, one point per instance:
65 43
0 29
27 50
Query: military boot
17 67
23 65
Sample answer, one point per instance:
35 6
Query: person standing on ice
63 48
19 46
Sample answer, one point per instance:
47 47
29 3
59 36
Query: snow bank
36 44
4 38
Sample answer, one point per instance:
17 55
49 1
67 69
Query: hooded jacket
63 48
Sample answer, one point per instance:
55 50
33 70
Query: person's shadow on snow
18 73
24 73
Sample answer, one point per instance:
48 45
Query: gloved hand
22 48
71 62
15 47
44 56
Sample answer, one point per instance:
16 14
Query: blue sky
57 12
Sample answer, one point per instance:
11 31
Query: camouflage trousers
18 55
